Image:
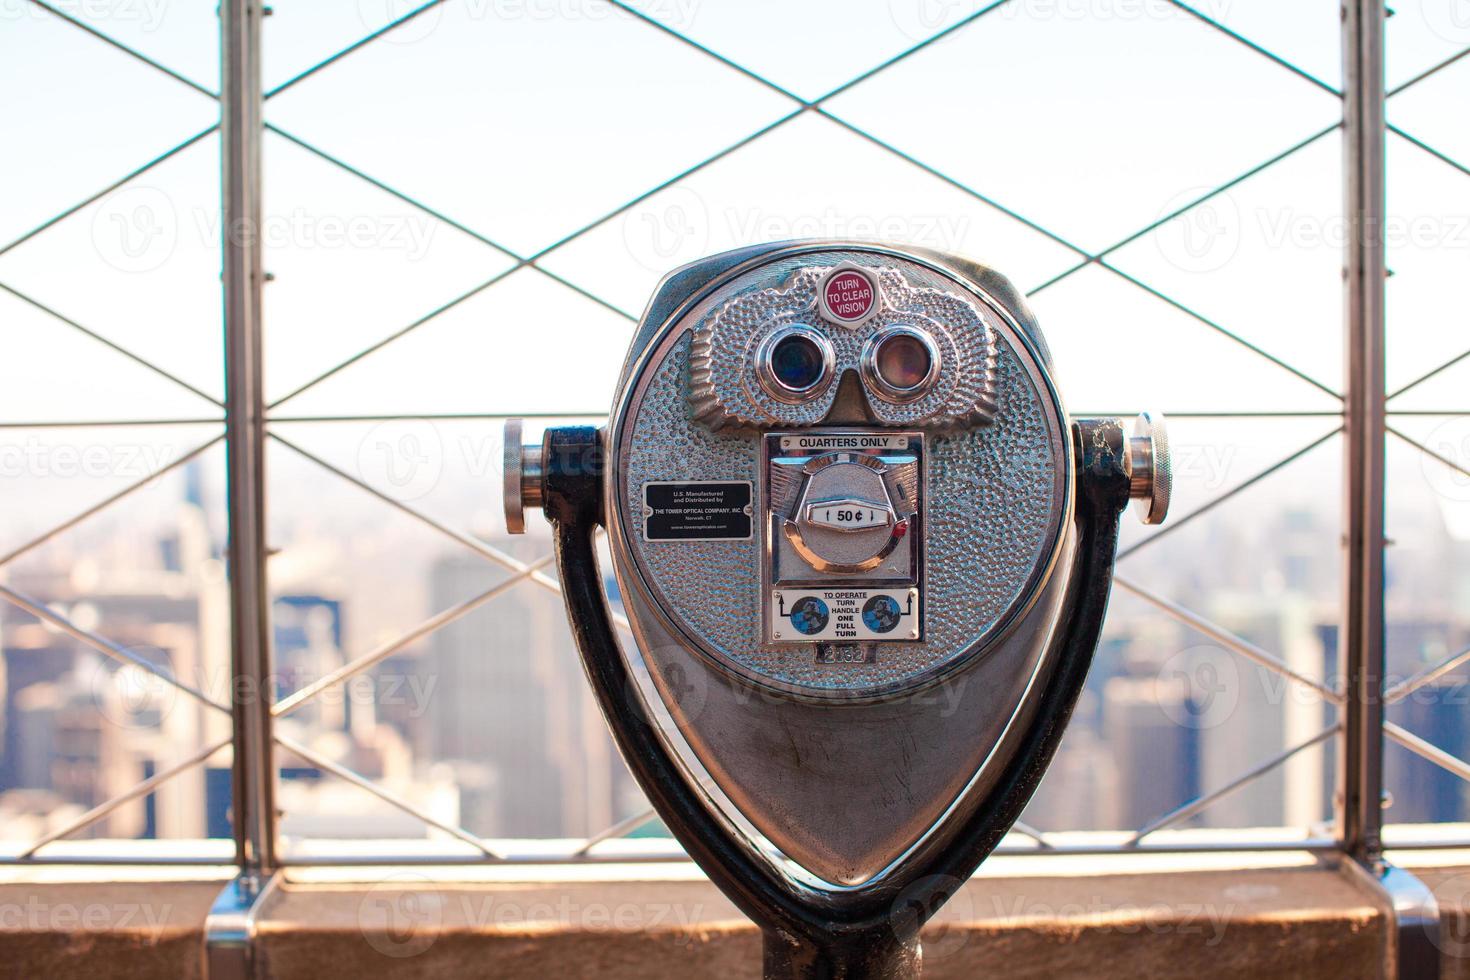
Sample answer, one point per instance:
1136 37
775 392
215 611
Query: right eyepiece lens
903 362
797 363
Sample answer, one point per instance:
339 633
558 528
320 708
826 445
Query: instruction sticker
807 615
697 510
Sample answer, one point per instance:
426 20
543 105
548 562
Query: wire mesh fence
425 287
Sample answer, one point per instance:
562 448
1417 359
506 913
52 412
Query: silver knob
521 477
1150 470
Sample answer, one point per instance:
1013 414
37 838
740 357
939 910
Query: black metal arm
811 933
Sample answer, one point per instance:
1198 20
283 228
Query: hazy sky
528 120
531 123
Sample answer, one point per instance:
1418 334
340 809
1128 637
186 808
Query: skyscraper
509 698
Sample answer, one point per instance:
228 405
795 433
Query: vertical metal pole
241 131
1361 645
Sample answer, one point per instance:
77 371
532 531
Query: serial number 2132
846 654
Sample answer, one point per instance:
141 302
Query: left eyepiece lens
795 364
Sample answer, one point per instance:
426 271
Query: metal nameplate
697 510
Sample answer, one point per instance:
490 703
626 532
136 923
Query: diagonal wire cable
1432 70
104 646
118 348
392 799
438 215
141 789
1157 223
732 64
815 105
1452 464
529 260
104 423
356 666
1269 55
664 185
1226 638
396 335
618 830
1205 508
599 414
130 175
73 521
1190 311
125 49
474 544
1425 677
532 259
955 182
1208 800
1427 375
357 45
1437 154
1039 836
1427 750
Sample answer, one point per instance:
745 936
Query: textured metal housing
725 339
1004 484
837 773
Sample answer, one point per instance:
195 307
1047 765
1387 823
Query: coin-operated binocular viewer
865 555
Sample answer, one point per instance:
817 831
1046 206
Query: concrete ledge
1171 916
61 929
1304 922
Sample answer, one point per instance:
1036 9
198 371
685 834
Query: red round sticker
849 296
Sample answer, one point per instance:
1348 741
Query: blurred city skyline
525 128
